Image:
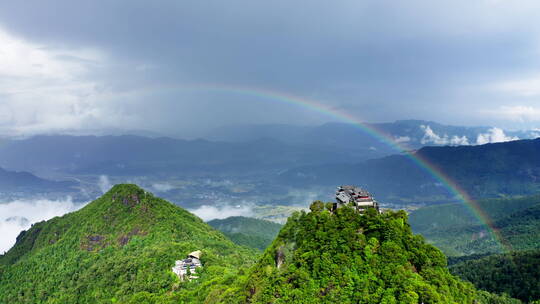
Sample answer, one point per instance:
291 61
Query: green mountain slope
344 257
454 229
246 231
517 274
119 247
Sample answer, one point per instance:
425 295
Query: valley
253 206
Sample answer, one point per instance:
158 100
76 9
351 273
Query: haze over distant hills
491 170
250 148
11 181
131 155
410 134
269 163
273 171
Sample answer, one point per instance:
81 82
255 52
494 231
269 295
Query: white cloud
519 113
494 135
534 133
162 187
459 141
430 137
402 139
46 89
207 213
104 183
18 215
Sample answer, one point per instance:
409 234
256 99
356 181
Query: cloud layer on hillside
19 215
207 212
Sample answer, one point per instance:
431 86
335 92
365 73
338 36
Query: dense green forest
457 231
473 248
345 257
246 231
121 247
516 274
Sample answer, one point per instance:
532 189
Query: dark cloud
447 61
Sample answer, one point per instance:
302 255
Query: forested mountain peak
119 247
343 256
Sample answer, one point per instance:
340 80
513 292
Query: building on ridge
360 198
186 269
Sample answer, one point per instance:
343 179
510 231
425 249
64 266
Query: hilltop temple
186 269
360 198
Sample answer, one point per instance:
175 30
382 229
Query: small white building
187 268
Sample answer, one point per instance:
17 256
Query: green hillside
517 274
246 231
343 257
120 247
455 230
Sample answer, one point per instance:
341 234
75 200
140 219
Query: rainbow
335 113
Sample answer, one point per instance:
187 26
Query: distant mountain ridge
320 157
491 170
412 134
132 155
24 181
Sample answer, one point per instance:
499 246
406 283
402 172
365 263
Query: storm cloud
106 65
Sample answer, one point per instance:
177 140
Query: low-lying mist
19 215
208 213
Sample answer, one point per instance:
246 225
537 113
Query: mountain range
287 158
135 155
411 134
484 171
121 248
253 148
11 181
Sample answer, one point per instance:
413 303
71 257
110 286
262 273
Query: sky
99 66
